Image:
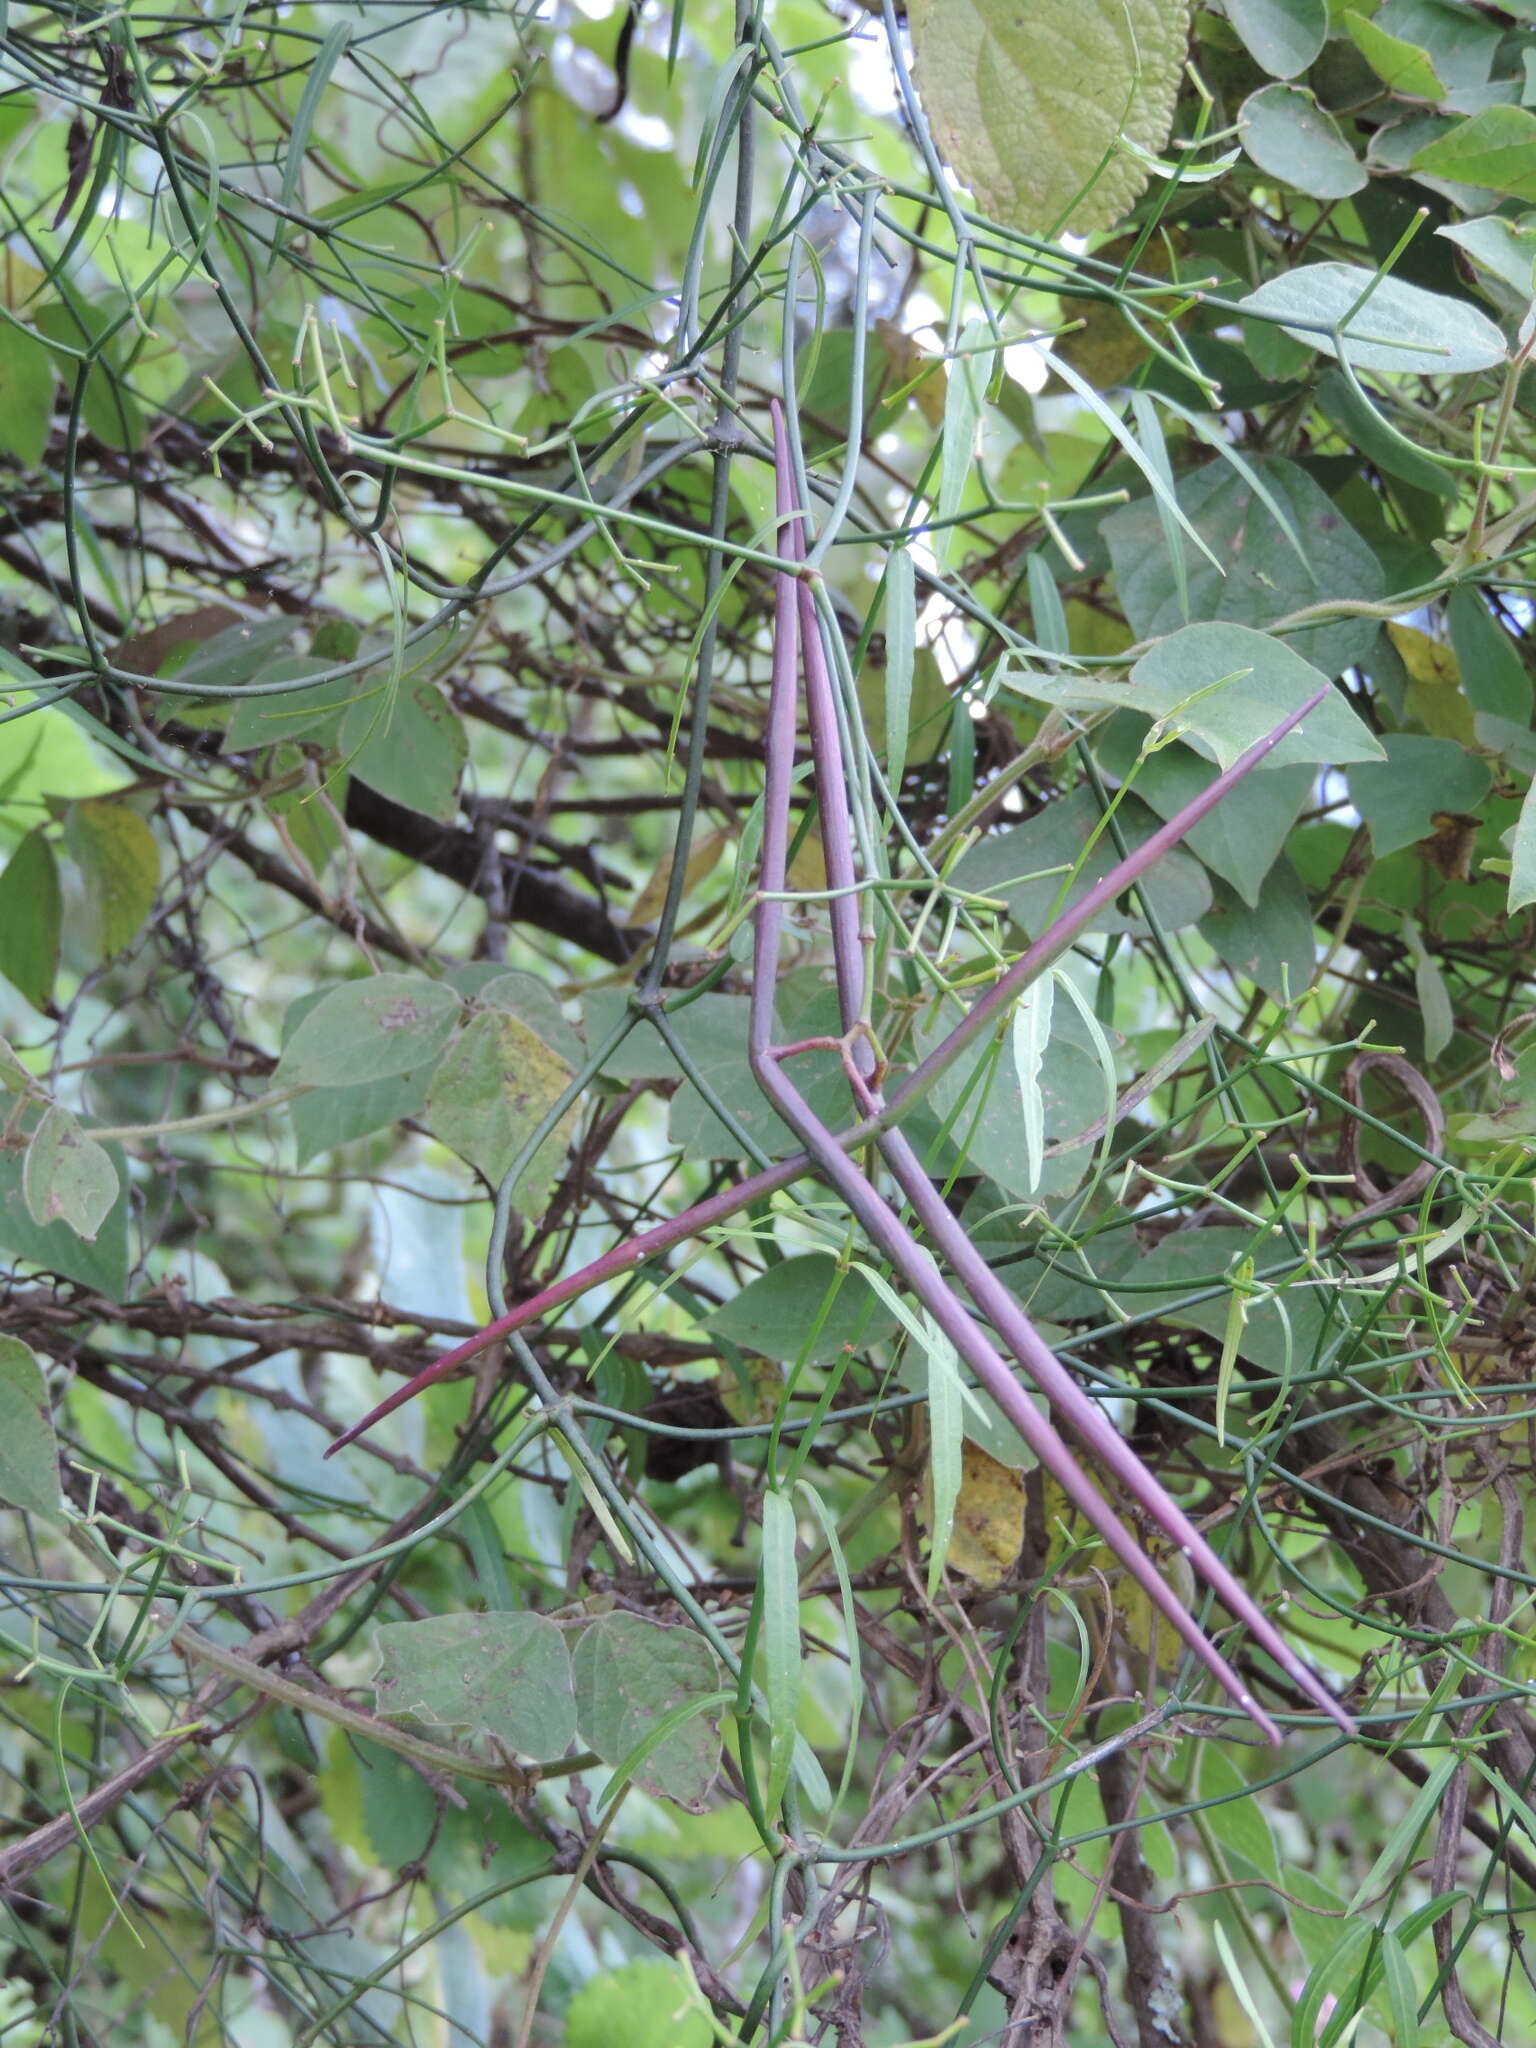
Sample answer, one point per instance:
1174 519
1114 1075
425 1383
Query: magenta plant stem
989 1294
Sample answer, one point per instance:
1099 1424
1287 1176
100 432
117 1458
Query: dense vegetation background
386 596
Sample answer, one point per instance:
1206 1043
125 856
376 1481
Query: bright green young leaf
1399 328
368 1031
30 912
1289 135
1284 37
1495 148
67 1177
502 1675
116 854
29 1455
1459 42
775 1314
491 1089
1041 110
1399 796
26 394
1400 65
629 1674
649 2004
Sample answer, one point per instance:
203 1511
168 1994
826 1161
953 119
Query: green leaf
900 650
1270 943
491 1089
1240 840
1495 149
1400 328
1457 40
1522 854
649 2004
412 750
1402 1992
368 1031
1040 110
102 1264
1283 36
1235 1814
775 1314
1290 136
1400 65
317 78
26 394
1492 673
1403 1838
116 854
1258 575
630 1674
327 1117
30 911
1367 430
503 1675
29 1454
1506 249
1399 796
1025 867
67 1177
1434 997
1030 1034
946 1439
1336 1976
1279 1333
779 1641
963 397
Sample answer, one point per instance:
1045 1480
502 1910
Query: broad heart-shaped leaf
1221 688
490 1091
1013 866
1457 40
1258 576
1240 840
26 394
1400 327
1506 249
649 2004
1289 135
1271 943
29 1455
368 1031
504 1675
1250 681
1400 65
775 1313
116 854
326 1117
631 1673
67 1177
30 911
1283 36
1398 797
102 1265
411 748
1033 105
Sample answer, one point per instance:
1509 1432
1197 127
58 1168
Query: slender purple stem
986 1290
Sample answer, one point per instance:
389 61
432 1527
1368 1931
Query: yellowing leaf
988 1531
1435 696
703 855
808 869
1033 106
491 1089
116 854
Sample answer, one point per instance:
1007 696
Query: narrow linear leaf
1030 1035
1231 1341
780 1640
1522 854
946 1436
326 60
900 653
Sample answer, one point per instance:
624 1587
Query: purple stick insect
796 617
827 1153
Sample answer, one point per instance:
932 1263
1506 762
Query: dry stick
984 1012
986 1290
